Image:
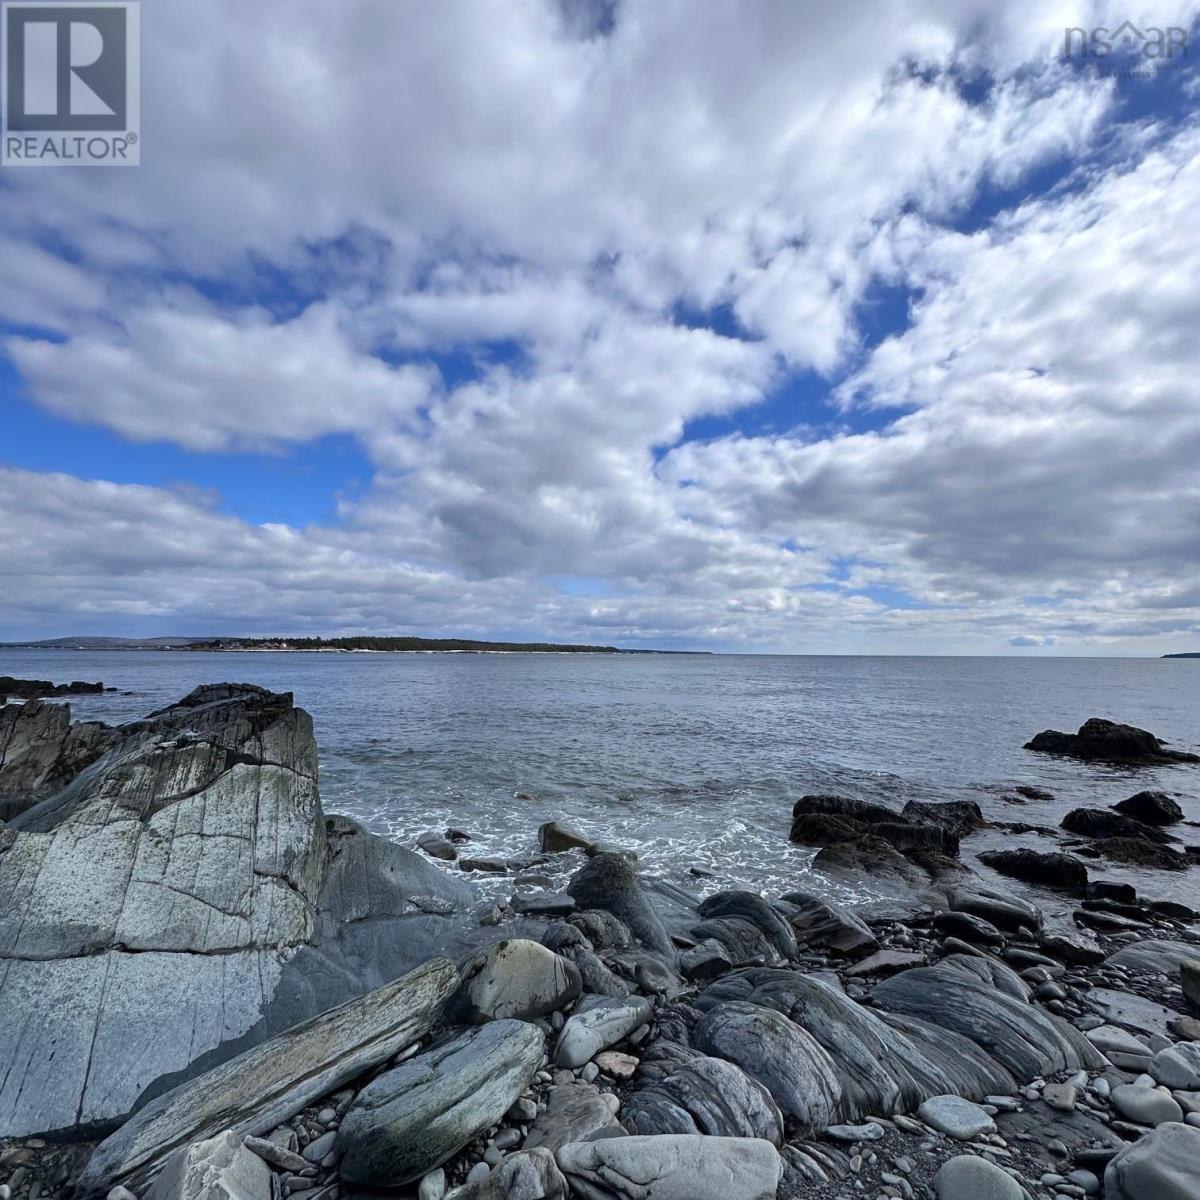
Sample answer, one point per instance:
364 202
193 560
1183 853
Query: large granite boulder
411 1119
1099 740
185 893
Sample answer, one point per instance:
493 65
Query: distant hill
1186 654
362 643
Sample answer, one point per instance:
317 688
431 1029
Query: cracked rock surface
181 891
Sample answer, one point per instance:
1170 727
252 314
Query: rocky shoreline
213 989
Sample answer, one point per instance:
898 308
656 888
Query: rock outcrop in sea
212 989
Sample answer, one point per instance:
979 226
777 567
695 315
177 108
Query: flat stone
886 962
956 1117
870 1132
575 1112
673 1167
598 1027
1060 1096
555 838
219 1168
416 1116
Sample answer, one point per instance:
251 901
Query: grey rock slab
602 1025
1145 1105
575 1112
1111 1038
530 1175
413 1118
672 1167
956 1117
220 1168
274 1080
1160 954
515 978
753 908
1131 1011
1178 1067
968 1177
1163 1165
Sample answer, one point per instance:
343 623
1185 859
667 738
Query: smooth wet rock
416 1116
1178 1067
217 1169
529 1175
598 1027
672 1167
1105 823
707 960
956 1117
1163 1165
751 907
960 817
555 838
515 978
1145 1105
610 881
437 846
969 1177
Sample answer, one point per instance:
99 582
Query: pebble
479 1172
433 1186
869 1132
320 1146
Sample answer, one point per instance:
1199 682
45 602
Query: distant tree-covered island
393 644
1184 654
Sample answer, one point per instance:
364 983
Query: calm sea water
690 760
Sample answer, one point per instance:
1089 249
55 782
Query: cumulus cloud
634 227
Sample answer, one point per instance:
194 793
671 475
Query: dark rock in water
960 817
708 960
191 898
515 978
269 1083
437 846
708 1096
1104 823
1027 1041
1033 793
39 689
873 858
1162 1165
823 925
1139 852
411 1119
753 908
791 1064
555 838
1050 869
826 820
1151 808
610 881
1106 741
1104 889
672 1167
41 751
542 904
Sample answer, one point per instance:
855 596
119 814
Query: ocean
693 761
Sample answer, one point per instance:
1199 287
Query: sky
748 325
